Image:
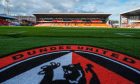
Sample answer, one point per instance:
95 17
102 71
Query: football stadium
70 48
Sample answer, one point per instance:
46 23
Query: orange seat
66 24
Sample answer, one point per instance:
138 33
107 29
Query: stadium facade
72 19
130 19
28 18
5 20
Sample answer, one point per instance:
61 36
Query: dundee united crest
69 64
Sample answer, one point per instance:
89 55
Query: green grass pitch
14 39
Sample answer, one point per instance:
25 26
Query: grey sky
28 7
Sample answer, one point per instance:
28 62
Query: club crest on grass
69 64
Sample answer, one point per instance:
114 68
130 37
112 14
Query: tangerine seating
73 24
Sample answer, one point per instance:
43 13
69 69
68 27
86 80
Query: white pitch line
17 32
125 34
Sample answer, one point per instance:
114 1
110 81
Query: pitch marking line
125 34
16 32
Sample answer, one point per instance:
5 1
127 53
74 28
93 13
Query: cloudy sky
28 7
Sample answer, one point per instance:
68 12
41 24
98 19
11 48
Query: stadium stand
130 19
5 20
72 20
